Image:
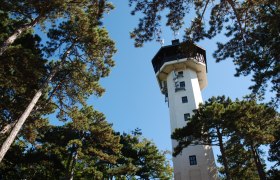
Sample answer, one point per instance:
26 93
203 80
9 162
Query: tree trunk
69 163
6 145
73 166
258 163
17 33
7 128
223 154
10 139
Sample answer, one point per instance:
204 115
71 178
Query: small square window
187 116
179 86
193 160
180 74
182 84
184 99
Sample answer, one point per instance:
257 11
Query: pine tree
140 158
73 150
238 127
274 152
86 49
86 148
255 125
31 13
240 160
206 127
22 71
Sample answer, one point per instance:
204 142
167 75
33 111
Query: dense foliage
31 13
22 70
141 158
81 50
85 148
239 128
57 76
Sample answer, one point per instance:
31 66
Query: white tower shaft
195 162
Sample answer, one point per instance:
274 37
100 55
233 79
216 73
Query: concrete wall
205 168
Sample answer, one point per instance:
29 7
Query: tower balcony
180 56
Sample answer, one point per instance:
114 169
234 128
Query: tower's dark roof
177 51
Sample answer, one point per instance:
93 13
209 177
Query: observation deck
180 56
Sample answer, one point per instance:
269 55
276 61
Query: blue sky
133 98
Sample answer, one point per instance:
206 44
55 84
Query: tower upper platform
180 56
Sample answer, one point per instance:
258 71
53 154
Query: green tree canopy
140 158
239 159
30 13
231 125
22 70
82 53
86 148
71 150
274 153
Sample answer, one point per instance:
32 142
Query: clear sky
133 98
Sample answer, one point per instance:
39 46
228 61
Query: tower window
187 116
180 74
182 84
193 160
179 86
184 99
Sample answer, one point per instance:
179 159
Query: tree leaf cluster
140 158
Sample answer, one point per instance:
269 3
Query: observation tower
181 70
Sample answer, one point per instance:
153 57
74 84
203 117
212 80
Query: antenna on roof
175 34
161 42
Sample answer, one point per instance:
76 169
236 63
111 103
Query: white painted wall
205 168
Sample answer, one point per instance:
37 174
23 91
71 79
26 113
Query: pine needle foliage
239 128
